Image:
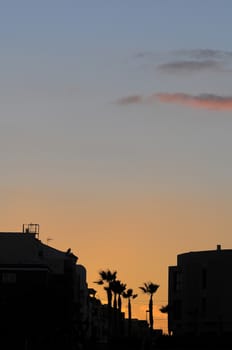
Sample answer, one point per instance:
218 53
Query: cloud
189 61
128 100
198 54
204 54
201 101
188 66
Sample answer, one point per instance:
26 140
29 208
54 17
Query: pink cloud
203 101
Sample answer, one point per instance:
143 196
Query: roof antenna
49 239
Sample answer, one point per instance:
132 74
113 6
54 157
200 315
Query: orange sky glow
139 239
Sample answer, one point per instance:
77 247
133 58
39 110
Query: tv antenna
49 239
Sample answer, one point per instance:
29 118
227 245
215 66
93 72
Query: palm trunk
119 303
115 301
129 309
115 316
109 297
151 313
129 317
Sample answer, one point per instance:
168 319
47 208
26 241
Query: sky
115 131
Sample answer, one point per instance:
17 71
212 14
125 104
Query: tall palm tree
128 294
150 288
119 288
106 278
114 290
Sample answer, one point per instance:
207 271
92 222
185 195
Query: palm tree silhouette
114 290
150 288
107 277
118 288
128 294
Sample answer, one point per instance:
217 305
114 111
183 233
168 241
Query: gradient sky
115 131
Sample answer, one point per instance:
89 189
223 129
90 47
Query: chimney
219 247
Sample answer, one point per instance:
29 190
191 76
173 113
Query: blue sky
116 120
65 66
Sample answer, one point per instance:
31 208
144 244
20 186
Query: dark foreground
168 343
163 342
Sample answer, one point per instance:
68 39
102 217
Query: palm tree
119 288
150 288
114 287
107 277
129 295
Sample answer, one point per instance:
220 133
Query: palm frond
144 289
149 288
100 282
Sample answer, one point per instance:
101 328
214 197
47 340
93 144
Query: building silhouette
40 292
200 293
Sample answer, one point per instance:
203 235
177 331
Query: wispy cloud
202 101
189 61
204 54
128 100
189 66
198 54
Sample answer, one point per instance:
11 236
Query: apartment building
39 291
200 293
